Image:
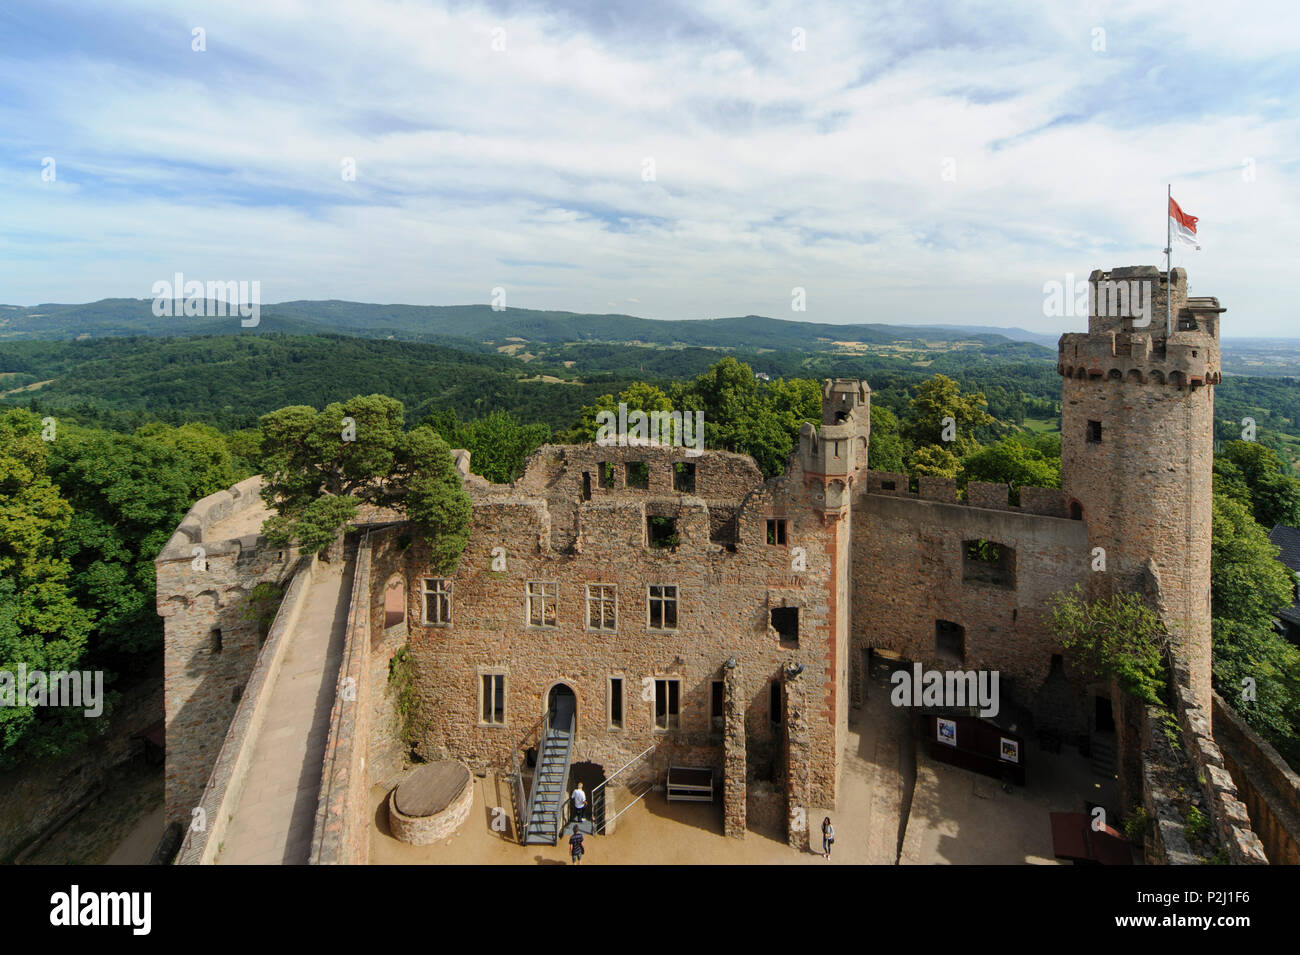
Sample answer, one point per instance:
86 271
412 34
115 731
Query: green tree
1116 637
356 452
1011 462
499 445
941 398
933 461
1248 585
886 450
41 625
1275 497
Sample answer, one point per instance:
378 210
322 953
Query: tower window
214 638
1094 432
638 474
774 702
776 531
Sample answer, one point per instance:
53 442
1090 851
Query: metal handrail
608 779
591 799
537 770
563 808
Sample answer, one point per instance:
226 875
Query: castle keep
670 609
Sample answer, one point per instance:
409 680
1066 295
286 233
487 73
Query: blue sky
914 162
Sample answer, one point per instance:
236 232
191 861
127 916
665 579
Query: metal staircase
550 790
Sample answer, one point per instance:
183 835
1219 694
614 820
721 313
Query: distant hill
479 326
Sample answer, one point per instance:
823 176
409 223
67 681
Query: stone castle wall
726 591
909 572
200 593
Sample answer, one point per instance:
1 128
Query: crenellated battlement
1130 338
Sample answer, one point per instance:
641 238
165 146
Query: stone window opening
437 602
214 640
616 702
776 531
950 642
987 562
542 598
684 477
1076 511
661 532
1094 432
887 485
586 485
602 607
722 527
661 607
785 621
668 702
717 708
492 699
638 475
774 703
605 474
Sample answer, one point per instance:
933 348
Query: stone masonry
696 610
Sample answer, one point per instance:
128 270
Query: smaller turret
836 456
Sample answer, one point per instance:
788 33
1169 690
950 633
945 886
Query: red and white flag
1182 227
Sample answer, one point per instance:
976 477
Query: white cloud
773 167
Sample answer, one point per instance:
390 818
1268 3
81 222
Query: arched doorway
394 601
562 707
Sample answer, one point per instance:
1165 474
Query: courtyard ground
893 798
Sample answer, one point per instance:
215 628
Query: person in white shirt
579 803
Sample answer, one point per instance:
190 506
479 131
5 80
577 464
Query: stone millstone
430 789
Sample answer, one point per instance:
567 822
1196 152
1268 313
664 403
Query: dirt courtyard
897 806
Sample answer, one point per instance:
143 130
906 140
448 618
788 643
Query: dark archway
562 706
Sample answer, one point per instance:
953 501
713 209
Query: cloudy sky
900 162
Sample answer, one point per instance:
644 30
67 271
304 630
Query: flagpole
1169 261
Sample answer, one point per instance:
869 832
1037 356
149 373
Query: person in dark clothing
575 845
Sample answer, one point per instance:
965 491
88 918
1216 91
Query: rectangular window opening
437 601
663 607
602 607
774 702
616 702
215 637
542 598
638 474
684 477
661 532
605 474
717 708
776 531
987 562
493 709
785 621
667 704
1094 432
950 641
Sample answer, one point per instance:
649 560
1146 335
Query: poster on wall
947 731
1010 750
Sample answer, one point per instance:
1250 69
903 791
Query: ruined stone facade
716 619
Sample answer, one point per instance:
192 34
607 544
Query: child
575 845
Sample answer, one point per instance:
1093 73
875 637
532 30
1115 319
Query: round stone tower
1137 446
